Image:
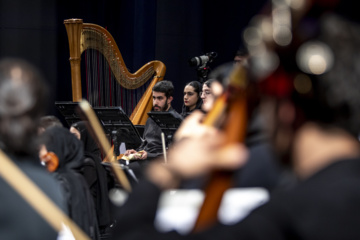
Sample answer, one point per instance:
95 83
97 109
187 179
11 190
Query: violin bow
99 134
36 198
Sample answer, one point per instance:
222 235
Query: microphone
202 60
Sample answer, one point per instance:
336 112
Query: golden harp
118 87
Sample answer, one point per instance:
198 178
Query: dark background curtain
171 31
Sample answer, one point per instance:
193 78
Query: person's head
22 98
207 95
162 93
214 87
67 149
311 76
192 94
80 131
48 121
241 56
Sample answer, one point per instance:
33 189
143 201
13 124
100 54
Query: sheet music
236 204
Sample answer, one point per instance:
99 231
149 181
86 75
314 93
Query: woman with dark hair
95 174
65 149
192 100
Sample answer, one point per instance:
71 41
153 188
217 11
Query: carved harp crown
86 36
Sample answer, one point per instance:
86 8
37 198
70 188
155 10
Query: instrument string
102 87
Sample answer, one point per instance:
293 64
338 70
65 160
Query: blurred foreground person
307 89
262 169
22 97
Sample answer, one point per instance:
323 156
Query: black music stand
118 125
68 111
169 122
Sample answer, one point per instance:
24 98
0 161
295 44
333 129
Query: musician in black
151 148
70 158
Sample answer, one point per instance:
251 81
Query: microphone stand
202 73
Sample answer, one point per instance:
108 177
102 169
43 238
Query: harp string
102 88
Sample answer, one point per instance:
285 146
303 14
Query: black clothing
152 136
262 168
185 110
89 172
69 150
95 175
325 206
152 144
18 220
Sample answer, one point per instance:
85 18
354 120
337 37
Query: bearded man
151 148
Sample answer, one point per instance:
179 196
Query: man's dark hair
242 52
49 121
165 87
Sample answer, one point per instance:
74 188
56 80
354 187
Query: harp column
74 28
